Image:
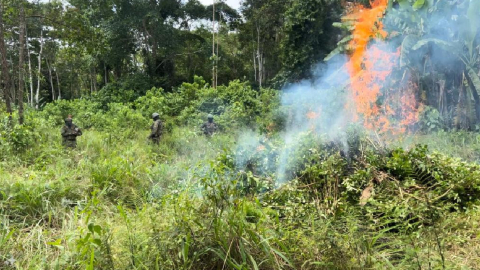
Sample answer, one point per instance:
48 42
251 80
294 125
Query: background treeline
69 49
53 50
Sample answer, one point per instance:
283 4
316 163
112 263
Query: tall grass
117 202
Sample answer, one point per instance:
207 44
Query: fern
422 175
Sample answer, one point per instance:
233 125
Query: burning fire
261 148
369 67
312 116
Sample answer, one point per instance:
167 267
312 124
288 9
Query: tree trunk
442 98
51 79
94 78
58 85
476 97
13 79
29 69
106 76
217 54
7 83
259 59
37 94
152 42
214 68
255 64
21 64
91 83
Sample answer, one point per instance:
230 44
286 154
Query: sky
233 3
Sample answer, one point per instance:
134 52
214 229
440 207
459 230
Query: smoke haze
370 87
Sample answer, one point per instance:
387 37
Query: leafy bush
16 138
430 120
119 116
88 114
153 101
82 110
126 90
233 106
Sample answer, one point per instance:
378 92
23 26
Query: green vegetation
117 202
290 181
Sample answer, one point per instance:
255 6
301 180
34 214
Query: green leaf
97 229
407 46
97 242
418 4
473 14
349 26
92 259
254 263
56 243
404 4
441 43
475 80
90 227
340 49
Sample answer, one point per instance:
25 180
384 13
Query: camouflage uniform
156 129
70 134
209 127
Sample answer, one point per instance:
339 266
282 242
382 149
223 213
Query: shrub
83 112
431 120
88 114
126 90
153 101
14 138
233 106
118 117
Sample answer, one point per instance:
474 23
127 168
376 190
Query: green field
348 134
117 202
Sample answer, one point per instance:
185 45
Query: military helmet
210 116
155 115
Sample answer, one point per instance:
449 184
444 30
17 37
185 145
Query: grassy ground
461 144
117 202
50 193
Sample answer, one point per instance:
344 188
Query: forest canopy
75 48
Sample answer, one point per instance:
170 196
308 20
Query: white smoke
312 106
319 105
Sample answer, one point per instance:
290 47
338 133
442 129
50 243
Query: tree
309 37
286 38
458 37
21 64
7 83
262 34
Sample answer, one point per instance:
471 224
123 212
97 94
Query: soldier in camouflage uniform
70 132
156 129
209 127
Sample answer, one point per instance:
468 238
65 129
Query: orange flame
369 67
312 115
261 148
